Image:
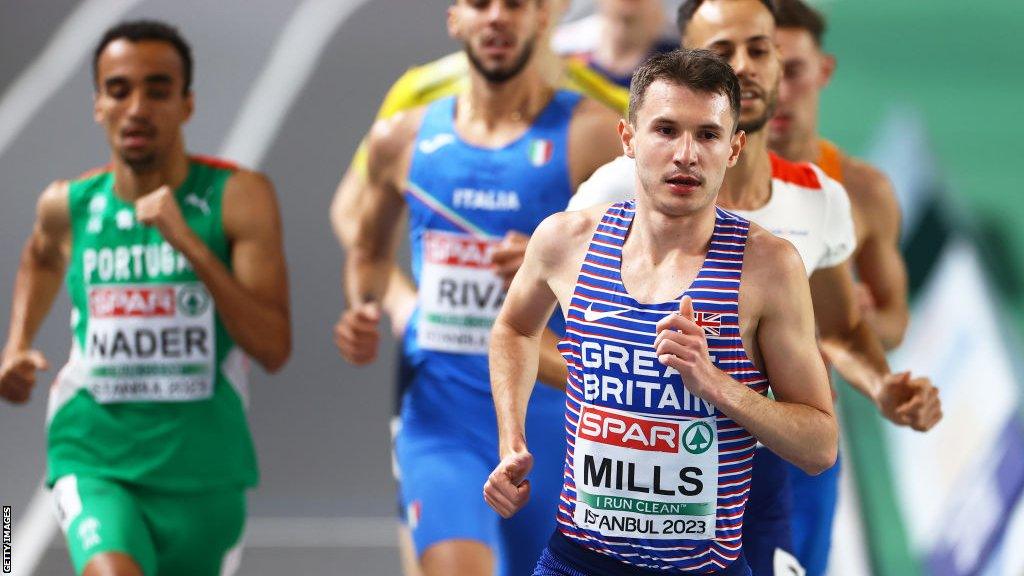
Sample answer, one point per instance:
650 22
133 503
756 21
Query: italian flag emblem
540 152
413 513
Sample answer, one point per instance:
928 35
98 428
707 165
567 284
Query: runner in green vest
176 273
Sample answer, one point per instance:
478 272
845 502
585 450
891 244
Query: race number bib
149 343
643 477
460 295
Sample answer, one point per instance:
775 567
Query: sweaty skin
664 249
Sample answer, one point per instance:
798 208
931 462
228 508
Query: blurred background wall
927 90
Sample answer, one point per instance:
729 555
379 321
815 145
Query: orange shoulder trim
830 160
799 173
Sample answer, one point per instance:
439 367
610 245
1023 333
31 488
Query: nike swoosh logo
592 316
436 143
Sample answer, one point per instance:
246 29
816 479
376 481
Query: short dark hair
141 30
698 70
797 14
689 7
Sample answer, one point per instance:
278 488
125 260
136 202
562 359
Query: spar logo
131 302
698 438
627 431
457 250
193 300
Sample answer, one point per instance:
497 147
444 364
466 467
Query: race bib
643 477
460 295
149 343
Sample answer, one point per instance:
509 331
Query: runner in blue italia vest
478 172
680 316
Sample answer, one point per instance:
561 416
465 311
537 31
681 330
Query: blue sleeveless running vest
462 200
654 477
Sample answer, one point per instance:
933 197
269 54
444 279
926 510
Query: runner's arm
879 263
515 347
846 338
41 269
39 277
369 262
405 94
799 424
252 296
400 297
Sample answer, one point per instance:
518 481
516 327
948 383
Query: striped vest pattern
654 477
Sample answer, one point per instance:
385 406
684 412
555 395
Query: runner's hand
160 209
682 345
508 256
907 401
357 333
507 490
18 374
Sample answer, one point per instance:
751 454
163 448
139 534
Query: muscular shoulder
249 184
250 204
563 235
391 139
53 212
770 265
871 192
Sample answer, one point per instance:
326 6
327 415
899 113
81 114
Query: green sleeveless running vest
155 390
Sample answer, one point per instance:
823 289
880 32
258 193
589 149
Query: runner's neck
493 115
660 235
799 147
130 185
748 184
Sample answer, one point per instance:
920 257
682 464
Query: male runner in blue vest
471 169
679 317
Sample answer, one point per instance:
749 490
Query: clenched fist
18 374
682 345
160 209
907 401
507 490
357 333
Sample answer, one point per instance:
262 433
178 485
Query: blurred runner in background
877 262
176 273
478 171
